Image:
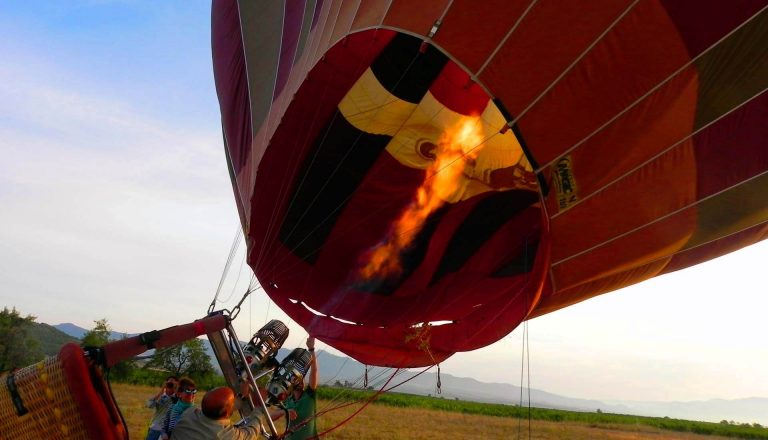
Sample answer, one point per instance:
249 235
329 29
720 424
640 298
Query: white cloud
108 211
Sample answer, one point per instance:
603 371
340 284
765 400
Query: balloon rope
525 359
375 396
525 356
338 167
658 155
690 62
504 40
330 407
237 280
372 213
348 386
232 252
658 219
283 193
574 63
342 159
309 55
343 422
528 361
528 307
522 370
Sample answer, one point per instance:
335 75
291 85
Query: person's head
187 390
219 403
169 387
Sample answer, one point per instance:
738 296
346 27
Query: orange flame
442 181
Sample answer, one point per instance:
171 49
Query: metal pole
252 381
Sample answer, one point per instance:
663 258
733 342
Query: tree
17 349
98 336
186 359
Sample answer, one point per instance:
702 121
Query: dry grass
131 399
379 422
383 422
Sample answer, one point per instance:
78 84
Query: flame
442 182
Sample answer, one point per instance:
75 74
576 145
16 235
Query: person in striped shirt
186 393
161 403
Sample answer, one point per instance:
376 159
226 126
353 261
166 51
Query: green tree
97 336
17 349
186 359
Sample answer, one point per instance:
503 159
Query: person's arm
277 413
154 401
274 413
312 364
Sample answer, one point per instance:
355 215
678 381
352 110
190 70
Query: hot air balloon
415 179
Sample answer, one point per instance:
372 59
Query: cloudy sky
115 203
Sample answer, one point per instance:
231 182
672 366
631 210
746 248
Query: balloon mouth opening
355 177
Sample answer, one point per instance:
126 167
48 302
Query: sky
115 203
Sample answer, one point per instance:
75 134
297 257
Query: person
186 394
304 401
161 403
213 419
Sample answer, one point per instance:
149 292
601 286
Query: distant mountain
71 329
749 410
336 368
343 370
49 338
78 332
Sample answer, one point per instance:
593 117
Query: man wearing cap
212 420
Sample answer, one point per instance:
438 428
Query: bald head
218 403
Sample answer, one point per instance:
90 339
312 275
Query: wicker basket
62 397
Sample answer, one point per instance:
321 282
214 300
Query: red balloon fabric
416 179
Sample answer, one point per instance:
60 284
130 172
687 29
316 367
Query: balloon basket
62 397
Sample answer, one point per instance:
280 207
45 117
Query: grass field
385 420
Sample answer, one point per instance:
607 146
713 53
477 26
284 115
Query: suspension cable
373 397
232 252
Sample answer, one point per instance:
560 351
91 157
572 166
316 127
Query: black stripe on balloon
405 71
410 258
478 227
520 263
519 136
325 190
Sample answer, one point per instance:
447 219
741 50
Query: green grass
500 410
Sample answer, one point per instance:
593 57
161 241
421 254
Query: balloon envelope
614 141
